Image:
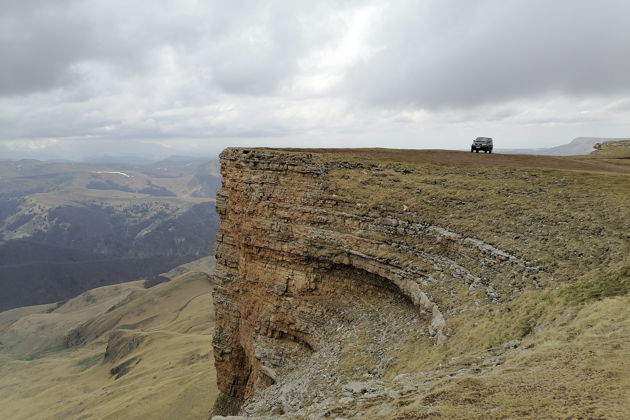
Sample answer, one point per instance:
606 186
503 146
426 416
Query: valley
69 227
120 351
329 210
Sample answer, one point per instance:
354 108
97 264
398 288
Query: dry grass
573 365
613 150
450 158
569 222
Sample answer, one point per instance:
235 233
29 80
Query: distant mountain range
69 227
578 146
138 160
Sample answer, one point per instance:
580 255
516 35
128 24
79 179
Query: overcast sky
92 77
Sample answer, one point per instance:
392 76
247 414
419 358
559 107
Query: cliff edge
355 283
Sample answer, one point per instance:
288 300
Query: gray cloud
37 46
262 53
244 46
453 53
328 72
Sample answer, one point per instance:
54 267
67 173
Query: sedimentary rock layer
290 246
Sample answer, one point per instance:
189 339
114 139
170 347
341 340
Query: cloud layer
460 54
195 74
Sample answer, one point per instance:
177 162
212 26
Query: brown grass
574 365
449 157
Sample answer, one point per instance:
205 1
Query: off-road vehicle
482 143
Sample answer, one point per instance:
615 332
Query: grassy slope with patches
612 150
165 332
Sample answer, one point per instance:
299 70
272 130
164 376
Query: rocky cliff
330 265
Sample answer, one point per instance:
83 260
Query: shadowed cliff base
508 270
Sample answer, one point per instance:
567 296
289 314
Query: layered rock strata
293 255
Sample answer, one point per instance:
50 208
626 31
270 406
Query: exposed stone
301 268
124 368
120 344
360 388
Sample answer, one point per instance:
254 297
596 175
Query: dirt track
448 157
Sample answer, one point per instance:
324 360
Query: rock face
302 269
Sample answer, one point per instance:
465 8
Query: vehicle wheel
472 150
476 150
490 151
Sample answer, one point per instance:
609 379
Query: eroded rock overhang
283 224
